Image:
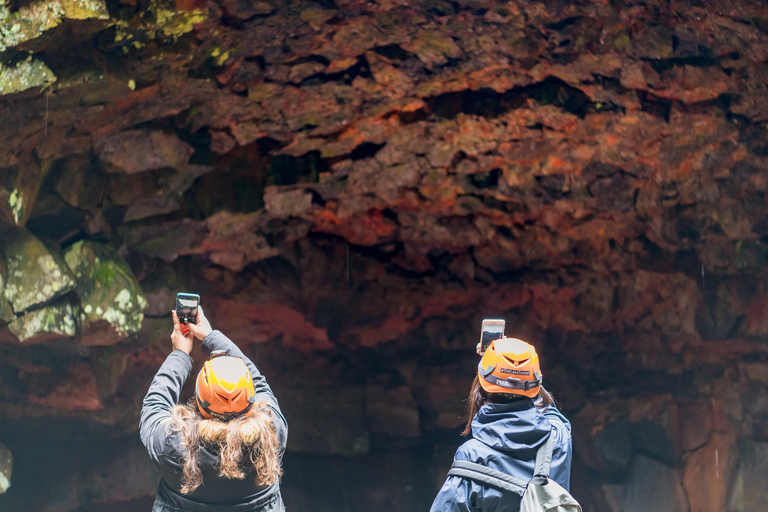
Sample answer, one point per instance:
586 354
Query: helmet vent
223 397
516 363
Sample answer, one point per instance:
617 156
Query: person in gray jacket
223 450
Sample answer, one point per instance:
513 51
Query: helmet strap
510 382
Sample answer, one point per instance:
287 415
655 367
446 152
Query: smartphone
492 329
186 307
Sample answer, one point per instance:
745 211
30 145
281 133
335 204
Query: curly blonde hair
243 443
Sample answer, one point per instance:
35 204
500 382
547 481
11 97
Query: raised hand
181 339
202 328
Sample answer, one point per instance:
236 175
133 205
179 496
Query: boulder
652 485
35 274
391 411
326 420
6 466
111 301
55 321
137 151
169 200
80 183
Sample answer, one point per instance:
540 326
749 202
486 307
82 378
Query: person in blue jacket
511 416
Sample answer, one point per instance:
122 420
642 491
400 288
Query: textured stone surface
112 303
35 274
352 186
55 321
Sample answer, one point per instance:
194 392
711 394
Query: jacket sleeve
563 447
452 496
217 341
163 394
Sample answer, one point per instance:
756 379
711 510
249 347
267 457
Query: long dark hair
478 396
244 443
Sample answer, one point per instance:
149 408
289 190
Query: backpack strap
485 475
544 457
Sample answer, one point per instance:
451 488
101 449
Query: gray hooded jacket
217 493
505 437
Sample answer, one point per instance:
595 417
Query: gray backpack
539 494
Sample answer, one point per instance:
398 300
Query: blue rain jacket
505 437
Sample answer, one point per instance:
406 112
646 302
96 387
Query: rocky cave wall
352 186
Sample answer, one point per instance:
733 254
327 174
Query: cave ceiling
358 183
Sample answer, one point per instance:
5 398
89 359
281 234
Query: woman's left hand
181 339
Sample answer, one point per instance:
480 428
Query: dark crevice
489 179
699 61
559 25
659 107
288 170
488 103
393 51
365 150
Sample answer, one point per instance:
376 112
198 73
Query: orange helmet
510 366
224 388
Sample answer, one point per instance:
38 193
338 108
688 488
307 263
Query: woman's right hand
202 328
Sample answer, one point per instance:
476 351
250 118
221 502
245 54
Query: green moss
24 75
31 21
622 41
175 23
58 319
104 273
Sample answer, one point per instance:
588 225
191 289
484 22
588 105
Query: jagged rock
328 420
167 240
22 191
173 189
34 19
52 322
34 274
6 467
80 184
137 151
652 485
259 323
111 302
391 411
24 75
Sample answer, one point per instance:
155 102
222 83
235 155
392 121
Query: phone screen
492 330
186 307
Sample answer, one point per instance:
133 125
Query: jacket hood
511 427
